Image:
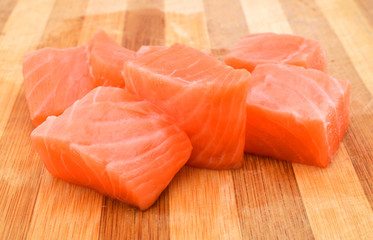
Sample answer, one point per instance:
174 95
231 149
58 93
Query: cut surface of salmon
261 48
146 49
113 143
54 79
106 60
203 95
296 114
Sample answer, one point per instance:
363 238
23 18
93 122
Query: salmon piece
261 48
106 60
113 143
54 79
203 95
296 114
150 49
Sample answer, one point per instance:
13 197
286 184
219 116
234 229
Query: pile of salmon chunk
124 122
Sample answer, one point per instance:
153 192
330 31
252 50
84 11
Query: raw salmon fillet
150 49
113 143
203 95
54 79
261 48
106 60
296 114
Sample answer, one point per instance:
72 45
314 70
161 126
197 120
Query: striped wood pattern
266 199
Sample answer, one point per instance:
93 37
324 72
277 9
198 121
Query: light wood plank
8 93
65 211
268 19
203 205
330 205
366 7
30 26
184 7
202 202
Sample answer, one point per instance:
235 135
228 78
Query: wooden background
266 199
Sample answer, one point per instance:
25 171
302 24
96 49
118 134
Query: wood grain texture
269 201
319 207
266 199
348 21
226 25
119 221
360 51
359 135
186 26
20 166
366 7
21 173
145 24
58 202
260 217
64 25
6 8
215 206
109 15
203 206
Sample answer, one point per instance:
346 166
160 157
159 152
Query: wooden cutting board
265 199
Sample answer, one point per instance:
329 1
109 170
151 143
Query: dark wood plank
268 199
120 221
144 25
306 19
226 24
